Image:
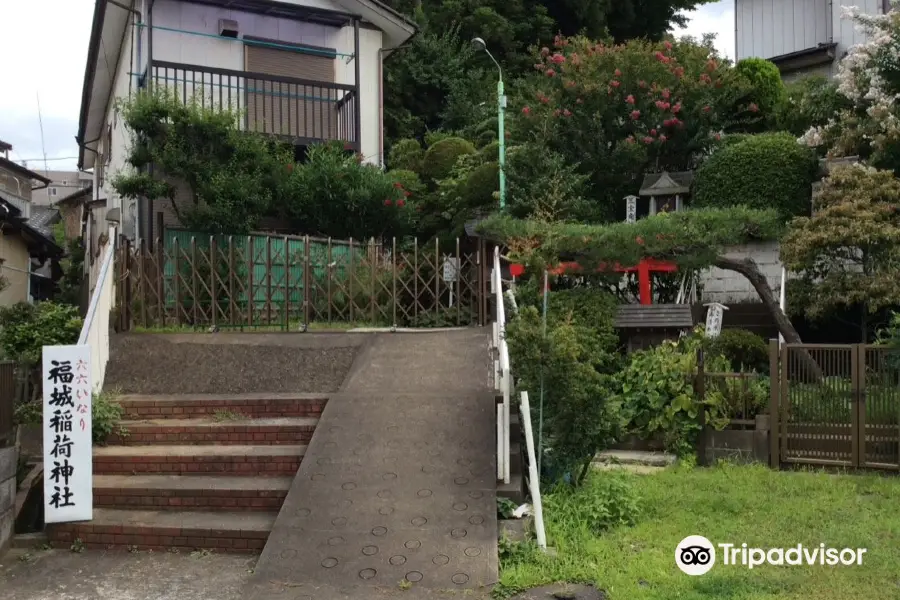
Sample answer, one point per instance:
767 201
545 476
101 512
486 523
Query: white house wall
124 85
845 32
224 53
770 28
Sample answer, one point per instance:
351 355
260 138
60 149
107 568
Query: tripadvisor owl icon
695 555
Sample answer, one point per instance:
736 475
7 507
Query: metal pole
501 127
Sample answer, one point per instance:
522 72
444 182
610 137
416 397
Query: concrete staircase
196 472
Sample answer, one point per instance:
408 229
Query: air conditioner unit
228 28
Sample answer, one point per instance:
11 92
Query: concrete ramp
396 495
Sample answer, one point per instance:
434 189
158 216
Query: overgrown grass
726 504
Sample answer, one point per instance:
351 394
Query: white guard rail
502 375
95 331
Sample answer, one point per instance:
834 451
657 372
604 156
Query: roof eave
89 71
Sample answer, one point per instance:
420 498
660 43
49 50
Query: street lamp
479 45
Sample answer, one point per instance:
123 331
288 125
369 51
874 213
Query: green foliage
406 154
848 252
574 361
72 273
693 239
541 184
744 350
26 328
615 112
767 88
656 390
769 170
810 102
107 415
332 194
606 501
231 177
441 157
28 413
490 152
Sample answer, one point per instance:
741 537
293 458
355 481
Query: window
51 191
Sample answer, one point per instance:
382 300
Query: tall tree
848 251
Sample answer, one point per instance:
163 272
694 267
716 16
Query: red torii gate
644 268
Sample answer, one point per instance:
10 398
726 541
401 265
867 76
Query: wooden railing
285 106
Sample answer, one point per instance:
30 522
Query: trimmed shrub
764 76
410 181
745 350
491 152
441 157
479 188
406 154
769 170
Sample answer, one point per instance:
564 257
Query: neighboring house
17 184
303 70
62 183
28 255
802 37
72 210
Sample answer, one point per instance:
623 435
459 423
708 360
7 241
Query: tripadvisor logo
696 555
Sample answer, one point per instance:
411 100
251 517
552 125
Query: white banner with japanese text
68 468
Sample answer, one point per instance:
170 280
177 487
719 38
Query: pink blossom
545 100
575 59
567 113
642 84
526 111
661 105
663 138
401 202
629 99
558 59
549 72
753 107
538 66
666 93
545 51
557 112
648 140
615 83
668 45
663 58
388 202
711 65
707 108
653 132
635 115
618 73
718 136
629 139
679 72
676 109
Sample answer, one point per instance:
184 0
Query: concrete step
514 490
272 461
635 457
190 492
278 430
167 530
185 406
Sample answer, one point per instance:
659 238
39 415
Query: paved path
396 495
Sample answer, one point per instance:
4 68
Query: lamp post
479 44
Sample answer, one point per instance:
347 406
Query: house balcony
303 111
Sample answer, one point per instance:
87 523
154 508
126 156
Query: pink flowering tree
619 111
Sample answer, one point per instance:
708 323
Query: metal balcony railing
305 110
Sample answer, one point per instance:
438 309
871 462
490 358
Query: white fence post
534 484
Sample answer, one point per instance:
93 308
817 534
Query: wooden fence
7 402
834 405
289 282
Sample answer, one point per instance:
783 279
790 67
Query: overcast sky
45 48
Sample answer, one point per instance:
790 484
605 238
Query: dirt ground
229 363
120 575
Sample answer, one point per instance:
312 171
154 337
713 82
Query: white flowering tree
869 77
